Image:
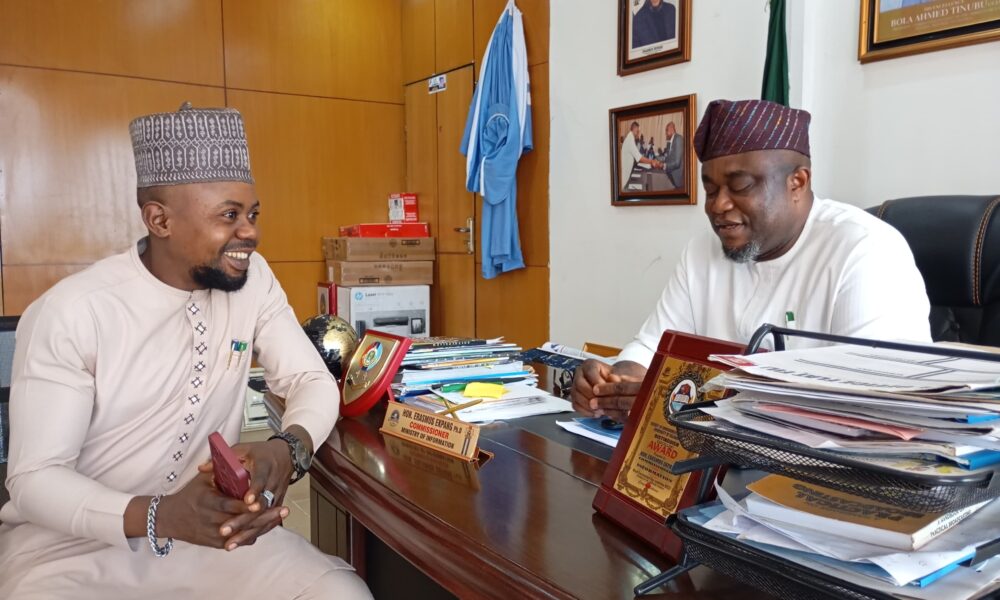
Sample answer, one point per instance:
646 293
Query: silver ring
268 497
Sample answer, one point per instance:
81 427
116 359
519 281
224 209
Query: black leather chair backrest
7 327
956 243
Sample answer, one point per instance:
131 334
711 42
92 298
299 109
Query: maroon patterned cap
746 125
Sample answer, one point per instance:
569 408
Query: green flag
775 86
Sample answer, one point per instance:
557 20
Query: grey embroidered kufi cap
192 145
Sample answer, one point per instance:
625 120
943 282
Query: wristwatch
301 457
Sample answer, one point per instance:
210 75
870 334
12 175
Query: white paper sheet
847 367
574 427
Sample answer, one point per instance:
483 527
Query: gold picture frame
895 28
652 153
650 37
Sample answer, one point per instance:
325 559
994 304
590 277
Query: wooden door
455 290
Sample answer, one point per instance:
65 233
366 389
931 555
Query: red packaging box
403 208
384 230
326 298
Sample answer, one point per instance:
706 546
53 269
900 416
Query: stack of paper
911 411
844 536
518 400
448 363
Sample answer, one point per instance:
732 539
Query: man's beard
745 253
213 278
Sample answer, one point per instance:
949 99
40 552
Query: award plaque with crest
370 371
638 490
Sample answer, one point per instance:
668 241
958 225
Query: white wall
609 264
918 125
926 124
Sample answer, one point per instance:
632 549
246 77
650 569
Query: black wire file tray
772 574
701 433
718 442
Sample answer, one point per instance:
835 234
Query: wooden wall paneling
453 34
346 49
121 37
455 202
420 110
299 280
514 305
68 193
535 15
418 39
319 164
453 296
22 284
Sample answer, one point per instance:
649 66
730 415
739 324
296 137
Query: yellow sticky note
484 390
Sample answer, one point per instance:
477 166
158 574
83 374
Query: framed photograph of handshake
652 155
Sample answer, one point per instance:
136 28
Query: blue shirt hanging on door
497 132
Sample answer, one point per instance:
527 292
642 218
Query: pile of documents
860 541
914 412
447 363
477 380
917 414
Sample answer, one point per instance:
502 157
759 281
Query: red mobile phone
230 475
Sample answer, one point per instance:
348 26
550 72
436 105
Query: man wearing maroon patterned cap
775 254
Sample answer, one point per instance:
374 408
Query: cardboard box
403 208
359 248
386 272
399 310
384 230
326 298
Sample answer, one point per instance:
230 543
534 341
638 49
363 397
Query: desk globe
334 339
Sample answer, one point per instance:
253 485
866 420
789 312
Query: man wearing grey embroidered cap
123 370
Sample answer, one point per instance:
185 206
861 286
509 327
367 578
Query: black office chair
7 327
956 243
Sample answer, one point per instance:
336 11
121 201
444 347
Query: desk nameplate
443 434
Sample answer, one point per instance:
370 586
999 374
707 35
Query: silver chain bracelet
158 550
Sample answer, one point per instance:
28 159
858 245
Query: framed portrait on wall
652 154
653 34
893 28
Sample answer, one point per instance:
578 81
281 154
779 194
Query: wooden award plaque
370 372
638 491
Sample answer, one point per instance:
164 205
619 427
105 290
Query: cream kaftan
118 380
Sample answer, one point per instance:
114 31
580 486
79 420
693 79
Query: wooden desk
521 526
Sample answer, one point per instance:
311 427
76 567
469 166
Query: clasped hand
200 514
603 390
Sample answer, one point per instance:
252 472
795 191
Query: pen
458 407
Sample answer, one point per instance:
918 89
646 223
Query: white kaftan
849 273
118 379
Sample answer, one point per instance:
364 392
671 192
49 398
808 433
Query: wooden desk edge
416 535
